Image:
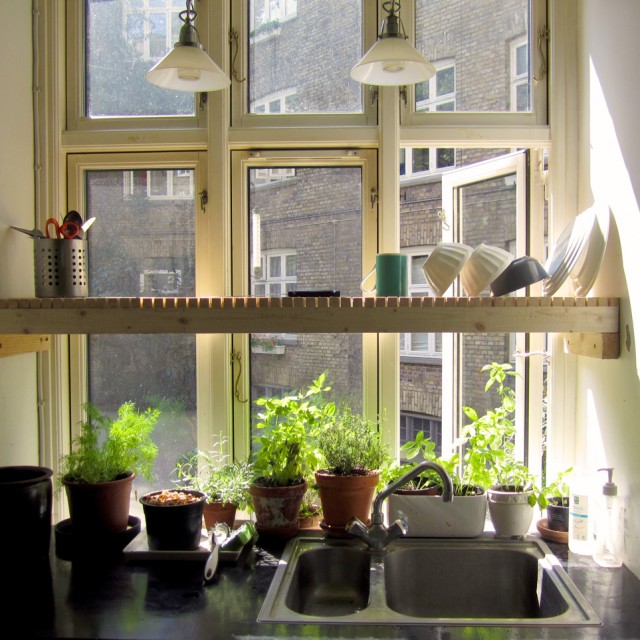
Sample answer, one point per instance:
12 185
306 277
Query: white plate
567 251
586 270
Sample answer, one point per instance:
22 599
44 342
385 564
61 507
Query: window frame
241 162
410 117
213 130
78 124
243 119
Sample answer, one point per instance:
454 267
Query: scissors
67 230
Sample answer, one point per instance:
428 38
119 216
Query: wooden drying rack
591 325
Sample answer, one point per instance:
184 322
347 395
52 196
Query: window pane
475 37
420 160
314 226
136 249
421 227
417 274
123 41
488 215
300 55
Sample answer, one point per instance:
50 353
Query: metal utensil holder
61 268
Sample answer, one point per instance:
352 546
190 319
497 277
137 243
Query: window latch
373 197
204 199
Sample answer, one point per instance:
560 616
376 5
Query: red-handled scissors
67 230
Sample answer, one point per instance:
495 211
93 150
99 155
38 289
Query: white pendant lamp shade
392 61
188 68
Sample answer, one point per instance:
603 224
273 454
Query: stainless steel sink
424 581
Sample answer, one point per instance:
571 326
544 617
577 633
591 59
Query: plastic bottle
580 522
609 525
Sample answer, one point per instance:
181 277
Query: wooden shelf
596 316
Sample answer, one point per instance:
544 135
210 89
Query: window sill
592 323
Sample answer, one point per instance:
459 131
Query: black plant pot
173 527
558 514
25 495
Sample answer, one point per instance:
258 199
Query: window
169 184
520 75
123 41
291 198
137 249
411 424
276 275
438 93
314 232
296 58
419 162
419 345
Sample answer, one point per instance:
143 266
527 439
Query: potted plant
310 510
224 483
557 496
98 472
512 490
286 456
353 454
173 518
427 515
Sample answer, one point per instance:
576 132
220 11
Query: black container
25 496
173 527
558 514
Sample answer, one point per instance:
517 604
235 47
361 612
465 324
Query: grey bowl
522 272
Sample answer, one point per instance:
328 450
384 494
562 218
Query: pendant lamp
392 60
187 67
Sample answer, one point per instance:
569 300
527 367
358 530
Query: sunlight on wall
611 183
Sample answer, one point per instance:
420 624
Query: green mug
391 275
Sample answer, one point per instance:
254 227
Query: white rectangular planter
430 517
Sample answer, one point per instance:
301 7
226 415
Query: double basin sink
424 581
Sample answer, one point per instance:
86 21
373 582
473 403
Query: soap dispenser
609 525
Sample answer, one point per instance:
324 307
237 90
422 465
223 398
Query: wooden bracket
605 346
11 345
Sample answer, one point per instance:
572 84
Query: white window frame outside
148 10
169 195
517 79
435 101
418 289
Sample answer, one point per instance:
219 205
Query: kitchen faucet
377 536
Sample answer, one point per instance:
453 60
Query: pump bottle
609 525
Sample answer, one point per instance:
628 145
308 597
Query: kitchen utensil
521 273
484 265
444 264
34 233
73 216
219 534
67 230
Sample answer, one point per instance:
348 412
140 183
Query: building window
412 423
166 184
520 74
280 102
160 282
419 345
422 161
276 275
439 92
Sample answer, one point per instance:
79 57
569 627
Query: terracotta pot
277 508
101 508
25 494
346 497
216 512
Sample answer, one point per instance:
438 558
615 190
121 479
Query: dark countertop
100 597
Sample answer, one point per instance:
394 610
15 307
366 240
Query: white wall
18 398
608 396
